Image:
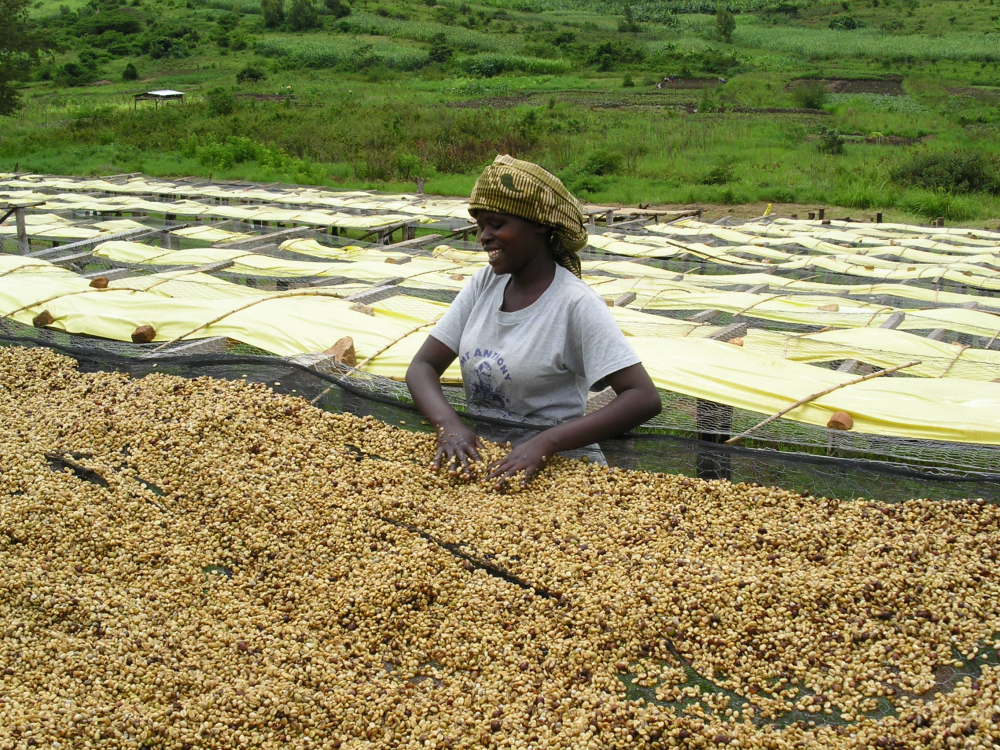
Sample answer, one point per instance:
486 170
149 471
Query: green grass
873 44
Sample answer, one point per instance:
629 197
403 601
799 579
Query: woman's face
512 243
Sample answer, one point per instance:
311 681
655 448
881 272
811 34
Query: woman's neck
529 283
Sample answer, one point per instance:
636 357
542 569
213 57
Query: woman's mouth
493 252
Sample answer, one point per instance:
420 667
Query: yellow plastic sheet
880 347
950 410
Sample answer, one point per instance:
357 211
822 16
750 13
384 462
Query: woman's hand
457 447
527 458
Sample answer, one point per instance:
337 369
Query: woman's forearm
425 387
628 410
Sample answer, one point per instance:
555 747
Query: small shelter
164 95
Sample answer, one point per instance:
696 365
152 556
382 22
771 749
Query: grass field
826 103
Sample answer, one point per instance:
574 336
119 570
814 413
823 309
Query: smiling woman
530 336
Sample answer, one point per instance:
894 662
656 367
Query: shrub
628 24
220 101
725 25
74 74
302 15
114 20
616 53
720 175
250 74
338 8
488 66
441 51
811 95
273 12
830 141
847 23
601 163
130 73
627 82
954 172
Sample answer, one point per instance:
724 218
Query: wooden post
822 214
940 221
23 246
812 216
609 217
878 217
892 322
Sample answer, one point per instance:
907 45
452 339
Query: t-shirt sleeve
449 329
595 345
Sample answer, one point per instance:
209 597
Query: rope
813 397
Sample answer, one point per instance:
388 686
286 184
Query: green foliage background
373 93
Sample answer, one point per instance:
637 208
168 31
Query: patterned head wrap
520 188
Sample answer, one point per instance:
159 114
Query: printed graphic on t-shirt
484 372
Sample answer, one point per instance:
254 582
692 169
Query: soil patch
861 86
990 96
266 97
690 83
496 102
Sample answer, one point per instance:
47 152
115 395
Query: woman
530 336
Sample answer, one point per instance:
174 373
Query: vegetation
20 45
890 105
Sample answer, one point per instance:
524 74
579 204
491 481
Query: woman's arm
636 400
456 443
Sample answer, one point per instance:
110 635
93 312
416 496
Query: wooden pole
23 246
815 396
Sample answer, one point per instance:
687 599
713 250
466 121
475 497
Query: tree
20 45
341 9
130 73
273 12
302 16
725 25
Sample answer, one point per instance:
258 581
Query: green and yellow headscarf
520 188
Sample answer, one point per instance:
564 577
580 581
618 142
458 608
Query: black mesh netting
850 466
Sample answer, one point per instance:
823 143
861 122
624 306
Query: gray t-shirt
538 362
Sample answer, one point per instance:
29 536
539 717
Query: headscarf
520 188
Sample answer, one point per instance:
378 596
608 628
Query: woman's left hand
527 459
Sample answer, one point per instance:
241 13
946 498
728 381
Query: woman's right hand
457 449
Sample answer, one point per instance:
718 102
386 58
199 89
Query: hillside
885 104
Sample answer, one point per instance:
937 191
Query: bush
610 54
811 95
954 173
602 163
830 141
847 23
130 73
720 175
220 101
302 15
725 25
338 8
273 12
114 20
441 51
250 74
627 82
488 66
74 74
